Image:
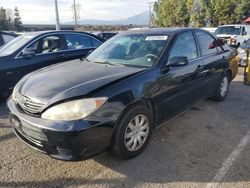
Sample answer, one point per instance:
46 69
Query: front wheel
222 89
132 133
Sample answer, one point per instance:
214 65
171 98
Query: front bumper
61 140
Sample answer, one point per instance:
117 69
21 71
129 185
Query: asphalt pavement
207 146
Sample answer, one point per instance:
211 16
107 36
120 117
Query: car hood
226 36
71 79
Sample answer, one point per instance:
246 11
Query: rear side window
206 43
77 41
7 38
184 46
45 45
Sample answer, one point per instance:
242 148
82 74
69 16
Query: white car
235 35
242 53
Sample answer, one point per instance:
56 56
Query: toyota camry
113 99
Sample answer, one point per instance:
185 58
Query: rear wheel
132 133
222 89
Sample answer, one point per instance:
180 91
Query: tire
222 89
126 148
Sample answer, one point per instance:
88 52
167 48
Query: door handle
9 73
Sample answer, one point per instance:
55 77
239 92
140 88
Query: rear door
79 45
214 60
180 85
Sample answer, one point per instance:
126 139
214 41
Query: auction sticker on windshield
159 37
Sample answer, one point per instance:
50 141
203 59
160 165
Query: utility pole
75 14
150 14
57 16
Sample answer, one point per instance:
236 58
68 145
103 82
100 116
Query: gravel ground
206 146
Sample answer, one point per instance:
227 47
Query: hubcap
136 132
224 86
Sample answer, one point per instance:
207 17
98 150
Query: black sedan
113 100
32 51
6 37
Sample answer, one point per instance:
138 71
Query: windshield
15 44
228 30
141 50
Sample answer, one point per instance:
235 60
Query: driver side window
185 46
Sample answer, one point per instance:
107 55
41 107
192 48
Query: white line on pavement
229 162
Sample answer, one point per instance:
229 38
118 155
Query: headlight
233 41
74 110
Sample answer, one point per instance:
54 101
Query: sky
43 11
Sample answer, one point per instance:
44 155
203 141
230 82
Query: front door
180 85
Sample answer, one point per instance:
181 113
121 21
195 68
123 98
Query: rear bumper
61 140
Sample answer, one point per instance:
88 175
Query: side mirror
28 52
178 61
244 33
220 42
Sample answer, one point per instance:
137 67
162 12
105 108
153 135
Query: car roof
37 33
239 25
160 31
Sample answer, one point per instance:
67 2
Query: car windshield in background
140 50
15 44
228 30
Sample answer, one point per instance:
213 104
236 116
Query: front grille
225 38
28 105
64 151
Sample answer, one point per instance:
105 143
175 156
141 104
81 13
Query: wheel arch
230 74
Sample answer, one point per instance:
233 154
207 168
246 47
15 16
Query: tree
197 13
182 14
224 11
17 20
171 13
3 20
242 11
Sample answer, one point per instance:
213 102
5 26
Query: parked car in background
6 37
128 86
235 35
33 51
105 35
242 53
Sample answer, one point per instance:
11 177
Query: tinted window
96 43
47 44
76 41
7 38
50 44
184 46
206 42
